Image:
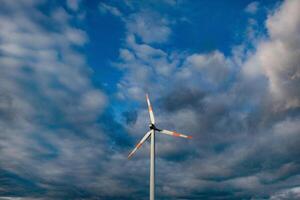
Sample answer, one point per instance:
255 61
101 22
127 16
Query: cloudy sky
73 78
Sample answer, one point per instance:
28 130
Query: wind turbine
151 133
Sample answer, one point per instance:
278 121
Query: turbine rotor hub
152 126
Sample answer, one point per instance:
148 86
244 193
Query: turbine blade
152 119
140 143
173 133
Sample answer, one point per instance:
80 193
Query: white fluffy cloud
73 4
44 82
105 8
287 194
225 102
278 57
212 69
49 109
252 7
150 27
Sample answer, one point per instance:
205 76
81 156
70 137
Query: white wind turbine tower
151 134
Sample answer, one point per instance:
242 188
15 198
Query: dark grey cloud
130 116
245 132
182 97
59 142
48 106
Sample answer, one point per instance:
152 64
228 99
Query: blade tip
189 137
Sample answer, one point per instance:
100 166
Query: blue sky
73 80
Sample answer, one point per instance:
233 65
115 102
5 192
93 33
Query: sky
73 79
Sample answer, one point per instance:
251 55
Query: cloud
292 193
252 7
141 62
277 57
142 24
73 4
60 138
212 68
241 110
130 117
48 105
105 8
149 26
